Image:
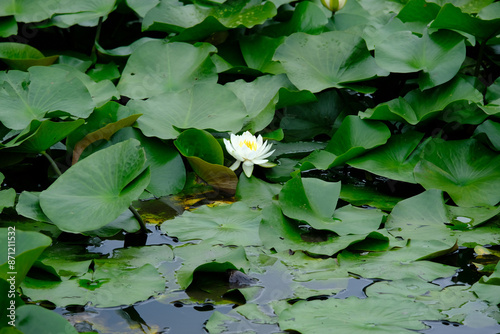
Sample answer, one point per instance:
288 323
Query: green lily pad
439 55
157 67
260 98
394 160
258 51
353 220
95 191
256 193
28 206
418 14
371 315
8 26
205 156
282 234
201 144
310 200
29 318
489 132
483 26
21 56
86 14
206 257
22 249
308 120
46 134
27 96
196 21
332 59
7 198
358 194
108 285
465 169
234 224
353 138
418 106
204 106
400 263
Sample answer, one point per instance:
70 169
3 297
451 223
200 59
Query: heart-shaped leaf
28 96
332 59
156 67
204 106
95 191
439 55
465 169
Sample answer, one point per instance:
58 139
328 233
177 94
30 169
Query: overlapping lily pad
332 59
98 189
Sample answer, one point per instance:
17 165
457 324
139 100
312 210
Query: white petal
259 161
259 140
266 155
235 165
248 169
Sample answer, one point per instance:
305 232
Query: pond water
182 311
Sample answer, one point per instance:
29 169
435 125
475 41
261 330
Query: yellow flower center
250 144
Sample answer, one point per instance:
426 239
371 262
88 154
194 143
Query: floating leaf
371 315
256 193
483 26
332 59
25 247
108 285
29 206
21 56
47 133
353 138
489 131
103 133
28 96
204 106
29 318
156 67
205 156
95 191
205 257
418 106
310 200
465 169
439 55
258 51
394 160
234 224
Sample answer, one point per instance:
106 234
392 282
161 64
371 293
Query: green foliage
383 118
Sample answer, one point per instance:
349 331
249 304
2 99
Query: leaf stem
93 53
139 219
52 163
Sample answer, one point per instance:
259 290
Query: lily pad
256 193
27 96
465 169
439 55
46 134
206 257
22 56
371 315
204 106
234 224
418 106
29 318
489 131
332 59
310 200
95 191
108 285
156 67
353 138
394 160
25 247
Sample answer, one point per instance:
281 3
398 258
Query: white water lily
249 150
334 5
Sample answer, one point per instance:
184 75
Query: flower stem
52 163
139 219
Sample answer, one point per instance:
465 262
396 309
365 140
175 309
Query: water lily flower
249 150
334 5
